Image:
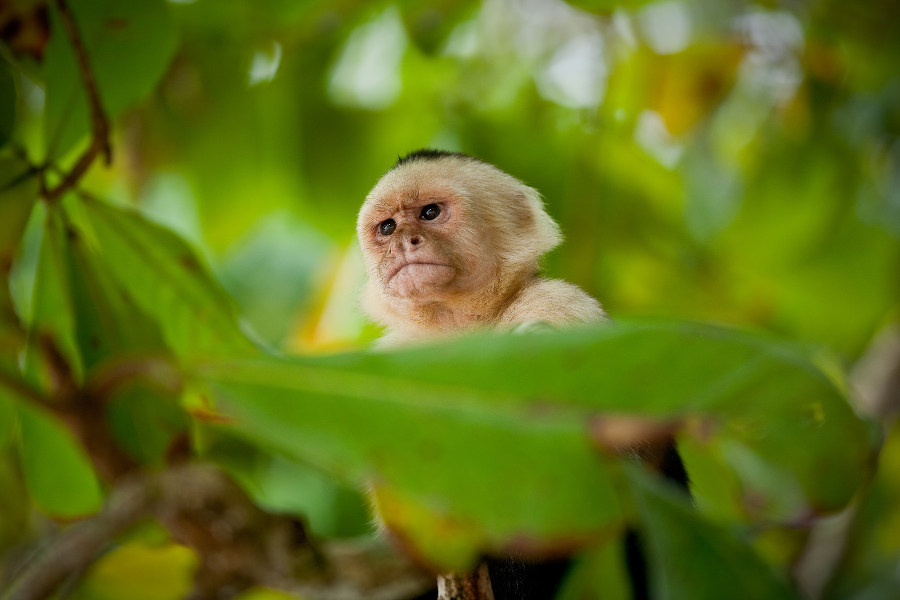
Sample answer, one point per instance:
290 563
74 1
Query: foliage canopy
178 187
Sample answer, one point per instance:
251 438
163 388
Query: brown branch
238 544
99 143
83 414
80 545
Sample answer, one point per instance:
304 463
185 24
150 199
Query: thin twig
99 123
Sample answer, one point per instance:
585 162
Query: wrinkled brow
392 201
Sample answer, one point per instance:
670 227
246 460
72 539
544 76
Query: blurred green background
731 161
734 162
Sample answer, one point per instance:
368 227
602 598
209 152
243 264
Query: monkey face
417 242
449 241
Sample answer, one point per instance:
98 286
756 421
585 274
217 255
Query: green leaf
129 46
18 192
52 311
436 459
600 573
167 281
287 487
109 321
691 558
112 329
461 441
57 472
7 419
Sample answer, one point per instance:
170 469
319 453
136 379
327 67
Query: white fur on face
459 268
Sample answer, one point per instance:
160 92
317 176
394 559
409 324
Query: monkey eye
387 227
430 212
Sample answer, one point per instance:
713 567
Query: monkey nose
415 240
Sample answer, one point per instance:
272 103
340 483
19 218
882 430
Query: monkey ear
524 219
543 229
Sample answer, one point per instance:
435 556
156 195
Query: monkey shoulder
552 301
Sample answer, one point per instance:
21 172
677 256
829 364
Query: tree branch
99 123
238 544
79 545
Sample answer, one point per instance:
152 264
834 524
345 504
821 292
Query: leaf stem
100 143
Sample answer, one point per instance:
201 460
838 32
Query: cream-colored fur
492 232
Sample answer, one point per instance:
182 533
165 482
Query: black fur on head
431 154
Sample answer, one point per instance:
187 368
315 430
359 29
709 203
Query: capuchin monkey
452 244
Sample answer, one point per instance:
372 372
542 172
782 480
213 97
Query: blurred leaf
715 487
57 472
690 558
53 315
521 406
7 103
869 566
600 574
109 321
129 46
163 275
140 572
23 273
18 192
7 418
113 332
287 487
145 422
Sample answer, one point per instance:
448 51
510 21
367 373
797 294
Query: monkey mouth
412 278
414 268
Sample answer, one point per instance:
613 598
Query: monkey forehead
388 200
409 189
421 182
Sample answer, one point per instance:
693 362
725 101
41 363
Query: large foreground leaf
495 442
